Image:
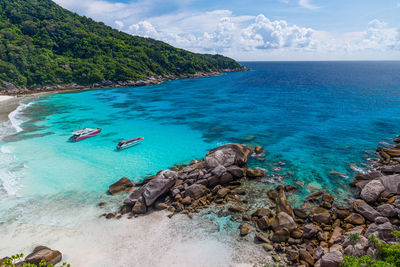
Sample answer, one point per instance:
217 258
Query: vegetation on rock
386 255
16 260
44 44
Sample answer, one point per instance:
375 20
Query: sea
319 122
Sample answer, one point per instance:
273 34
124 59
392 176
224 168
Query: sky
259 29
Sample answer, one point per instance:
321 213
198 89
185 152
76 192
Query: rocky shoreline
7 88
318 233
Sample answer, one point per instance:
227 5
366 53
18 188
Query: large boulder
387 210
134 196
356 249
158 186
44 253
120 186
355 218
391 183
227 155
382 231
372 190
331 259
283 220
365 210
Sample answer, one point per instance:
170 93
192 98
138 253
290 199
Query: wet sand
7 105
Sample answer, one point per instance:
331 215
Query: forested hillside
44 44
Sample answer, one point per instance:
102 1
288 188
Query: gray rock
227 155
331 259
372 190
226 178
44 253
236 171
369 175
219 171
310 230
387 210
382 231
381 220
134 196
120 186
357 249
283 220
158 186
195 191
213 180
391 183
390 169
365 210
361 184
139 207
318 253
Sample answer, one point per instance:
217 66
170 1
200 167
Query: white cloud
243 37
119 23
307 4
398 4
229 34
266 34
144 28
380 37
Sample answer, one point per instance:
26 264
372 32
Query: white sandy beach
5 97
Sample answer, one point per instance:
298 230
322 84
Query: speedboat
84 133
129 143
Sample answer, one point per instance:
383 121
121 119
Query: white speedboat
84 133
129 143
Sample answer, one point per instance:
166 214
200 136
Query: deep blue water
313 116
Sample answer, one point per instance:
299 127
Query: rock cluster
215 179
318 233
321 232
40 253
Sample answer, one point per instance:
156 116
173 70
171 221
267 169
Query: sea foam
16 117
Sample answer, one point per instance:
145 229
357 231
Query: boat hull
119 148
79 138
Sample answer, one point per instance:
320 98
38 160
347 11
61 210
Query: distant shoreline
151 80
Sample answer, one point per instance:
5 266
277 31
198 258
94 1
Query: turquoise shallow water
314 116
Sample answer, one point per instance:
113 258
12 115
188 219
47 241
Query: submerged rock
245 229
259 150
121 185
